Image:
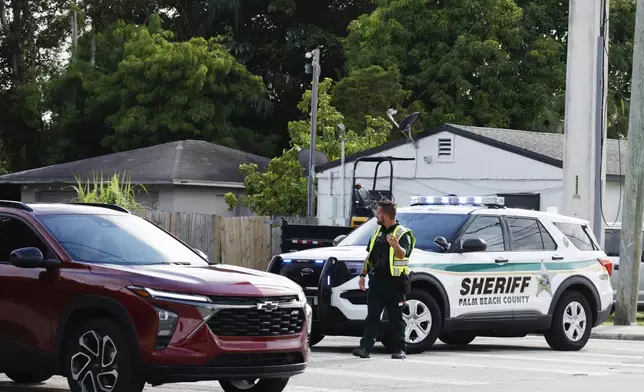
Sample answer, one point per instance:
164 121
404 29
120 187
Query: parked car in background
611 247
112 302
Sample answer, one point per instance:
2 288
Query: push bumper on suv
218 338
318 278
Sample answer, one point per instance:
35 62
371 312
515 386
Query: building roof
187 162
540 146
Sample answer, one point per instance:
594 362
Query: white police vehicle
478 269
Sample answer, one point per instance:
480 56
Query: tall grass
116 190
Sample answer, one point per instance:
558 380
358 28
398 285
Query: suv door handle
501 260
557 257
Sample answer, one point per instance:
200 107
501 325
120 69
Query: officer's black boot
361 352
400 354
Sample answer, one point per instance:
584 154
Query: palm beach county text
494 290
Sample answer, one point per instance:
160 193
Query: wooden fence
247 241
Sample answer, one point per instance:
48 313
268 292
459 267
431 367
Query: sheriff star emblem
544 279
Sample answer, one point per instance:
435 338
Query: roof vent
445 149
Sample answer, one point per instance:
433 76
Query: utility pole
585 114
342 177
630 247
310 210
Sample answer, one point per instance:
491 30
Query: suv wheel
99 359
263 385
35 377
456 338
570 329
423 321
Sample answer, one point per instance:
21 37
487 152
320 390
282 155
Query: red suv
111 301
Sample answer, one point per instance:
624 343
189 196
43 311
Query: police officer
387 264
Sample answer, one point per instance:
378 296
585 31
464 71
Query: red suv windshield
117 239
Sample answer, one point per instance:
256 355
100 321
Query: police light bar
458 200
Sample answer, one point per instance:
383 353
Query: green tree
541 66
282 188
31 33
164 91
328 136
468 61
620 62
146 89
271 37
368 91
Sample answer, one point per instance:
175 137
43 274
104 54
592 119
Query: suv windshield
117 239
425 227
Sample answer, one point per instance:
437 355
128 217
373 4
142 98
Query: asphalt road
494 365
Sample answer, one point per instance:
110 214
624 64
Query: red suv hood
220 279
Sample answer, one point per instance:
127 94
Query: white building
525 167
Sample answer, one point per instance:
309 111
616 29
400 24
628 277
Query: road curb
616 336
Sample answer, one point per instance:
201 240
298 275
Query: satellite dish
408 121
319 158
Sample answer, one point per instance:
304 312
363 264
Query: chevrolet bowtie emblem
267 306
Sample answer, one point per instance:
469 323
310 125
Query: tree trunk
92 59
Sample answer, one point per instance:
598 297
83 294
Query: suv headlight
168 296
166 320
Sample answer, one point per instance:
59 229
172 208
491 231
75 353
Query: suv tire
571 323
261 385
456 338
29 378
429 324
98 352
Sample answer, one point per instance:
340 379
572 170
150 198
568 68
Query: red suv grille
255 322
245 301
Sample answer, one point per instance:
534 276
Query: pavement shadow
7 386
438 347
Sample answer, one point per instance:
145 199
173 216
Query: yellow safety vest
397 266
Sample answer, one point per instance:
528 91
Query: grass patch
640 319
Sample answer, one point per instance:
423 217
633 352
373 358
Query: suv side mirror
338 239
31 258
473 245
442 243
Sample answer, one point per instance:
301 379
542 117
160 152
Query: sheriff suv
478 269
111 301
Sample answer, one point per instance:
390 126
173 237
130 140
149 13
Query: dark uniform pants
385 292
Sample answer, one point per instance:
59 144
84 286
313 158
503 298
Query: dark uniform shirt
380 255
